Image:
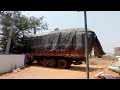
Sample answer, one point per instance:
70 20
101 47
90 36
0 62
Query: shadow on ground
82 68
72 68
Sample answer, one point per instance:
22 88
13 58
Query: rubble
102 75
16 70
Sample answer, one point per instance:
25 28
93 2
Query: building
117 51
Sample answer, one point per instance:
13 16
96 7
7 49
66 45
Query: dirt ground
75 71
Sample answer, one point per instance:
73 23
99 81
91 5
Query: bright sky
106 24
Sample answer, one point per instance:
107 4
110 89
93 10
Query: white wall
9 62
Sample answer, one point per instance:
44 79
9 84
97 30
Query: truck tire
62 64
44 62
51 62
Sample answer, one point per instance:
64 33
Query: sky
106 24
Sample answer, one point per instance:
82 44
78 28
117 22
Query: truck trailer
61 48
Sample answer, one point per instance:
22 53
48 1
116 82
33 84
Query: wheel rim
51 63
62 64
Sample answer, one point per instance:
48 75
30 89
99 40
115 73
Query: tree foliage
24 26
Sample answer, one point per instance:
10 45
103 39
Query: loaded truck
61 48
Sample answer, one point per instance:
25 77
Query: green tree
24 26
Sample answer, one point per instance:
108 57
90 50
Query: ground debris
16 70
102 75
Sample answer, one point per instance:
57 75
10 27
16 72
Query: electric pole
86 45
10 33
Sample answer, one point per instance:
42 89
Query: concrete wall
9 62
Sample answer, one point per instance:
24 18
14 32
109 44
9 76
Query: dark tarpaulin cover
67 40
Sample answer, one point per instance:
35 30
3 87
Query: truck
61 48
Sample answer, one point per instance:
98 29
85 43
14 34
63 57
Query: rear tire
44 62
62 64
51 63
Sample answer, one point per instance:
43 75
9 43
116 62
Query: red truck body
75 54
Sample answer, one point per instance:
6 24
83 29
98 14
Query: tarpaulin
67 40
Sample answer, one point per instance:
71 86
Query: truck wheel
62 63
44 62
52 63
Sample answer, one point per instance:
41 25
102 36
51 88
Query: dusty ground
75 72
